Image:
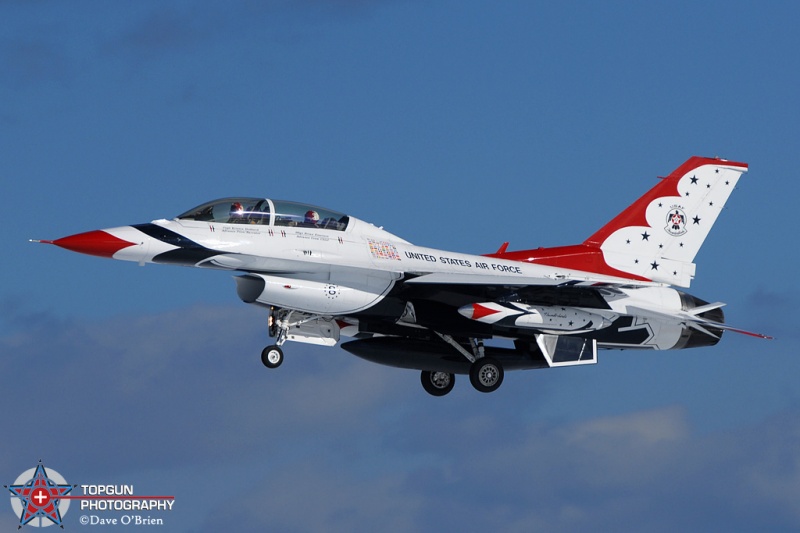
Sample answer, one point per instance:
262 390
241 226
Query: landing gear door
321 331
567 350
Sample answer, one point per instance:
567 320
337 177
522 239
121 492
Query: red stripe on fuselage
583 257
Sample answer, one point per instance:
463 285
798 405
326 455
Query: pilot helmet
237 208
312 217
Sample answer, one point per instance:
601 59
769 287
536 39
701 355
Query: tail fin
658 236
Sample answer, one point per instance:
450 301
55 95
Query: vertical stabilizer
659 235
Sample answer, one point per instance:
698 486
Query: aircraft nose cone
98 242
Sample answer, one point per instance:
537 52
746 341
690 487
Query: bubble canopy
245 210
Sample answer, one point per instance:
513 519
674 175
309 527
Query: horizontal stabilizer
692 319
704 308
701 322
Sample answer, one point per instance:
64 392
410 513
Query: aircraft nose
97 242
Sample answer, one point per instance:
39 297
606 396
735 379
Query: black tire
437 383
272 356
486 374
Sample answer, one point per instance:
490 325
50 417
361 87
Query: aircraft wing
472 279
573 279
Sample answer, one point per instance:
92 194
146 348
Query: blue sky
456 125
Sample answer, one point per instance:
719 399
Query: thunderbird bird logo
676 222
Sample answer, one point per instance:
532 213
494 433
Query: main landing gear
485 374
437 383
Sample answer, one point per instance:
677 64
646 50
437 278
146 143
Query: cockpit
266 212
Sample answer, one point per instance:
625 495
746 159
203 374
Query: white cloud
320 494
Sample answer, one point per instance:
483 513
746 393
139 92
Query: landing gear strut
272 355
485 373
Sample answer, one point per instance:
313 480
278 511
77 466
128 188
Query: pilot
237 213
311 219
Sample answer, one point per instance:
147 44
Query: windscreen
231 211
308 216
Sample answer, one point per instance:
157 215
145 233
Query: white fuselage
357 267
266 248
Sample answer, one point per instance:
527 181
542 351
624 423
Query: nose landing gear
272 356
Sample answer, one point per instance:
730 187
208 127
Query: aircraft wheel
272 356
486 374
437 383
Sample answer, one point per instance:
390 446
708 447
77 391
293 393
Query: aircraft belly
419 354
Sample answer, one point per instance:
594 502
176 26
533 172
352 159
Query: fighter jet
323 275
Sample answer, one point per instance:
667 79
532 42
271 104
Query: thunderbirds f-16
322 275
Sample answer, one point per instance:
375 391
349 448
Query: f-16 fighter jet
323 275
